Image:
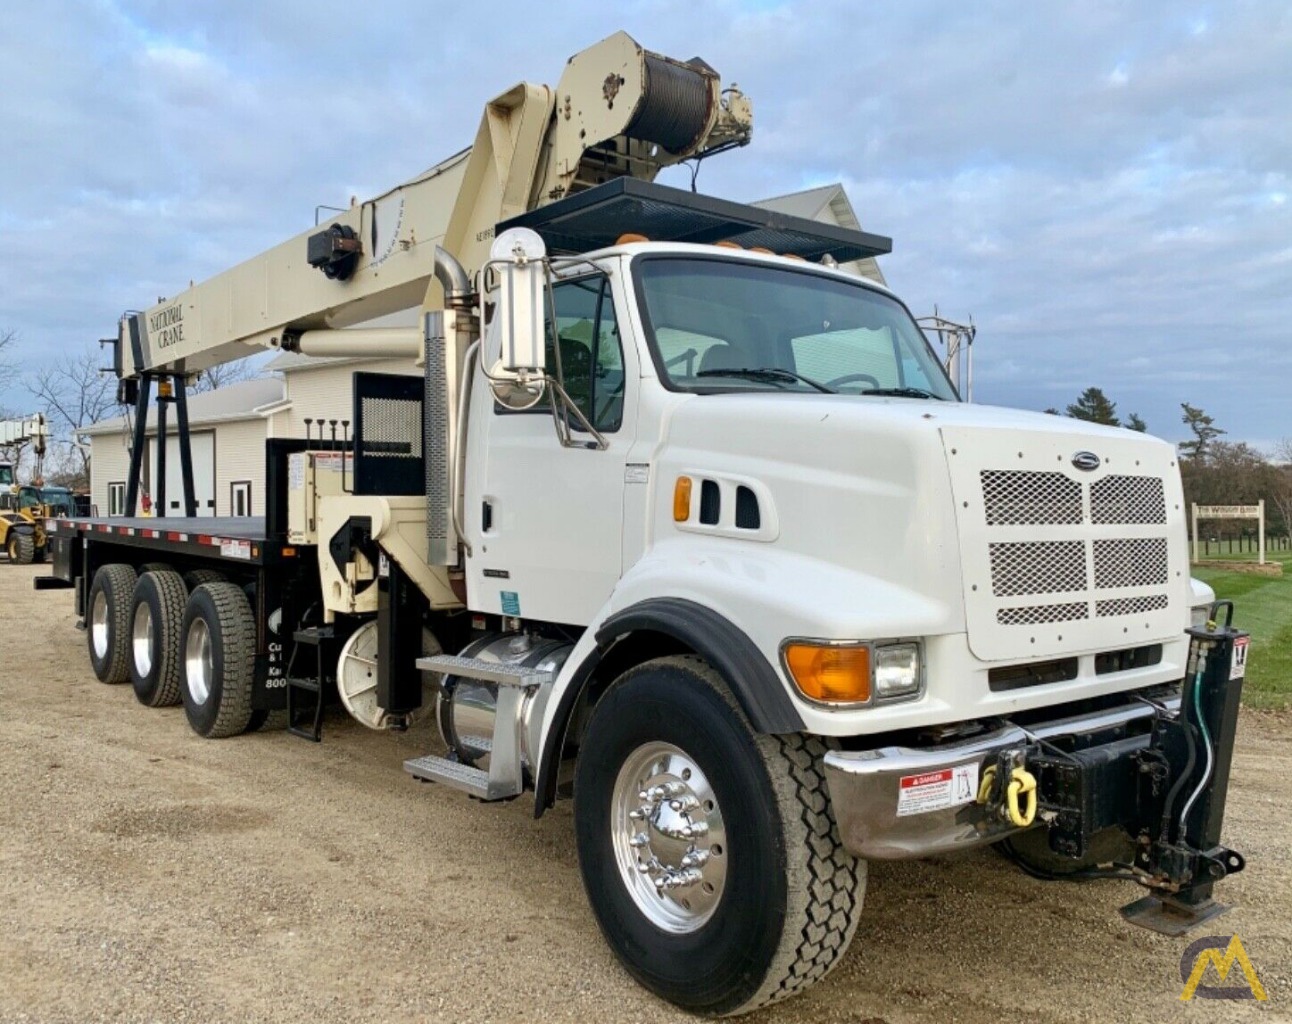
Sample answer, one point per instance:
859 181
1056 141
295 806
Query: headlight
853 672
897 670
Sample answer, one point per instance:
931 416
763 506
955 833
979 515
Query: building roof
245 400
809 203
830 205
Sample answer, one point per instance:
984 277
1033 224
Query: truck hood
978 510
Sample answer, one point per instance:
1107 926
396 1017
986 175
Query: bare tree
1280 488
8 362
76 395
222 376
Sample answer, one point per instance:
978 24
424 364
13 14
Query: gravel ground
149 875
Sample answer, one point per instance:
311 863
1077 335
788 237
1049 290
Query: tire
156 618
155 567
1031 851
219 648
11 545
266 721
194 578
26 547
107 622
786 896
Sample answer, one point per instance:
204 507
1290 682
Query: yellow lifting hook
1021 783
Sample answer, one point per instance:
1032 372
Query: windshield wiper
769 373
904 393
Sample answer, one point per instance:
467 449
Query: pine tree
1204 431
1094 407
1133 422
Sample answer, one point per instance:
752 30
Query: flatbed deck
241 538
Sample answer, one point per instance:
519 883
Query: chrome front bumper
898 803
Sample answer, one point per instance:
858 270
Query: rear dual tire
157 618
218 656
108 620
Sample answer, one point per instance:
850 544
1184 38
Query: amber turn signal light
682 499
830 673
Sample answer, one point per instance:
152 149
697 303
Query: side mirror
519 258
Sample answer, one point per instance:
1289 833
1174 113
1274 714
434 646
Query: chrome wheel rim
669 839
199 661
99 625
142 640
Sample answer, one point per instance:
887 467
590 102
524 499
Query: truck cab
777 441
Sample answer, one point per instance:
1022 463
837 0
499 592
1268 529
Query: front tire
107 622
721 883
155 631
219 653
27 550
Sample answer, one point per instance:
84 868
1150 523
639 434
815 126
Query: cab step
470 780
505 777
486 671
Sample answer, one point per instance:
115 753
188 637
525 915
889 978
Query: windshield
727 325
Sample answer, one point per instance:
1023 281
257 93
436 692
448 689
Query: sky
1103 187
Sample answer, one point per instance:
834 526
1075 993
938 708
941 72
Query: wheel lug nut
639 840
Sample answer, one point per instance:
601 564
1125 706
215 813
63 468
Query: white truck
688 524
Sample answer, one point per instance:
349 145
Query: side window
585 332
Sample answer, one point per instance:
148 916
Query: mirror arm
599 441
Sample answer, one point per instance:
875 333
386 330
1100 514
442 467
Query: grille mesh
1130 562
1127 500
392 428
1042 613
1038 567
1130 605
1016 497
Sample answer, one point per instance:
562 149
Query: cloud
1104 188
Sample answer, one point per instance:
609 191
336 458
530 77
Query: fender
754 683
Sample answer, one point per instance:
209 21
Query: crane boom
618 110
32 429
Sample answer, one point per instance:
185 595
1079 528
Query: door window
586 334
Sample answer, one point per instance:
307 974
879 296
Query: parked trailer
688 523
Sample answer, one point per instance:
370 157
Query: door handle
486 516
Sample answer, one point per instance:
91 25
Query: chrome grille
1130 562
1038 567
1014 497
1042 613
1127 500
1130 605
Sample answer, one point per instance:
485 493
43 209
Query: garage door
202 444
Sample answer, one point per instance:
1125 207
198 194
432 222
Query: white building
229 426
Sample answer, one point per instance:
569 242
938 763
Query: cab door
545 521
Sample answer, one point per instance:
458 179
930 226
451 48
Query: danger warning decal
1238 667
938 790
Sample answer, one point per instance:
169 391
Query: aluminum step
474 781
487 671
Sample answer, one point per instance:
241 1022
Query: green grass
1262 607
